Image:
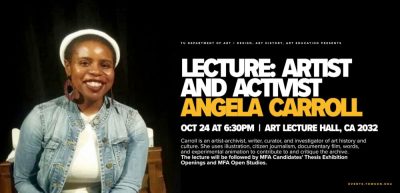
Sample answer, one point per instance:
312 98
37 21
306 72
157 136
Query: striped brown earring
68 89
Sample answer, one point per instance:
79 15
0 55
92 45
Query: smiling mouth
94 85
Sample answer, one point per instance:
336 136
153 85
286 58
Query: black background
149 79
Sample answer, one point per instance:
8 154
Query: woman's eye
106 65
84 63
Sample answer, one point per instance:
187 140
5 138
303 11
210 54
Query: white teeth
94 84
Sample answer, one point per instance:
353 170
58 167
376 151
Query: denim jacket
48 140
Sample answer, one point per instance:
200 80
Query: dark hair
74 42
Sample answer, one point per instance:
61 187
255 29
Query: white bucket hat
68 39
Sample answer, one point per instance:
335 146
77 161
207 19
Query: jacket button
105 140
96 121
109 165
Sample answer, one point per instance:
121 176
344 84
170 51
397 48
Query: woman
83 141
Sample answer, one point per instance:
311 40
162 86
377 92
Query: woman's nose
95 68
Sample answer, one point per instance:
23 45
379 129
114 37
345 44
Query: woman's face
91 69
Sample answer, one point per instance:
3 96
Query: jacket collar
76 120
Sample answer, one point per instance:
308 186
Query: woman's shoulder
125 109
44 110
54 103
130 116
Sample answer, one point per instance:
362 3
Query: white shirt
84 172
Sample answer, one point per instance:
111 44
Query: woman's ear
67 67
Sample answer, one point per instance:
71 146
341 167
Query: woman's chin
93 97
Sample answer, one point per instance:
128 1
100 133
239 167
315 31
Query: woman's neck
90 107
